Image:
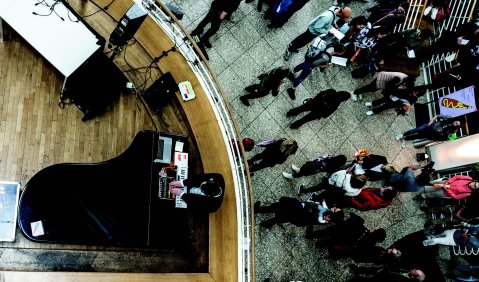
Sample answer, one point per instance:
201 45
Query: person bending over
204 191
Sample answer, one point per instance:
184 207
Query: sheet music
339 60
336 33
181 163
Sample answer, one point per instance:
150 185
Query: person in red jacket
373 198
458 187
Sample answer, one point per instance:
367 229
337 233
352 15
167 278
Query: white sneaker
354 97
295 168
434 13
369 113
287 175
335 3
369 104
360 96
427 10
399 136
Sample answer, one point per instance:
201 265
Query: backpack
315 47
281 7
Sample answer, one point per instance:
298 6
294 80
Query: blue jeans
422 131
306 69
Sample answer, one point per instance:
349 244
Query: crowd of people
369 42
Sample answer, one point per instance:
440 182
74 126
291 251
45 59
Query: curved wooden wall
150 43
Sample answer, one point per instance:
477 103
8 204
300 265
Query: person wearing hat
318 26
204 191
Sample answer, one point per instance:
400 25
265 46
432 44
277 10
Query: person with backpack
324 104
325 163
318 26
269 81
319 54
275 152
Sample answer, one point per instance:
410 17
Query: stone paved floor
243 49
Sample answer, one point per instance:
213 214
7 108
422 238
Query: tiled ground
243 49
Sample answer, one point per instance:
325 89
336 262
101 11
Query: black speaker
128 25
161 92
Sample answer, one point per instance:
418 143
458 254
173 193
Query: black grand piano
110 203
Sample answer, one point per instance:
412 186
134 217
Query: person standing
218 12
318 26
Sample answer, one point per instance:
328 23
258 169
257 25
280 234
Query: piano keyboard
181 174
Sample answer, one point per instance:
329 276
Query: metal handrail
166 20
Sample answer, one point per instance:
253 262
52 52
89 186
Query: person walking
219 11
269 82
318 26
322 105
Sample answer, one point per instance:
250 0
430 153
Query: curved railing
203 71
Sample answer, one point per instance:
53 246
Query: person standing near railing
219 11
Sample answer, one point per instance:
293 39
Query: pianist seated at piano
204 191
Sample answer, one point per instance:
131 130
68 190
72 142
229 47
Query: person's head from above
378 32
424 33
343 96
288 147
360 155
403 7
333 215
284 72
248 144
394 252
213 186
416 275
423 178
344 13
378 234
409 82
338 48
358 181
358 22
473 184
387 193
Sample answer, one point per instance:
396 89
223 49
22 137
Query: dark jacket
201 202
271 81
326 102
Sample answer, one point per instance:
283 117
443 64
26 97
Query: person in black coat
205 191
218 12
322 105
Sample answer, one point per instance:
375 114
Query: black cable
51 7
